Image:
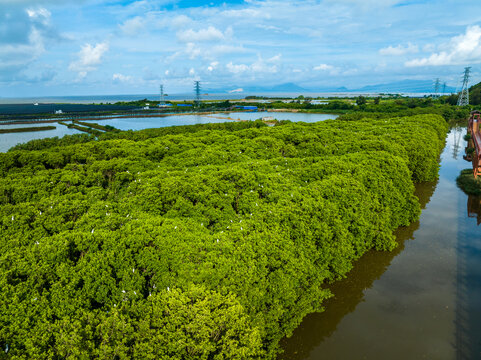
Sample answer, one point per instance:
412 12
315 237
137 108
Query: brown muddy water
421 301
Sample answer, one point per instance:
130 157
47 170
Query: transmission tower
464 94
197 92
444 88
162 101
436 88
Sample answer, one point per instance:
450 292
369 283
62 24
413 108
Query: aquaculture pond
420 301
9 140
186 119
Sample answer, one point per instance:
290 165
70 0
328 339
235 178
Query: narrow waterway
420 301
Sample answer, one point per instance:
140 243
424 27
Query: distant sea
89 99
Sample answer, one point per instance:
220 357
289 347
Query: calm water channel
421 301
12 139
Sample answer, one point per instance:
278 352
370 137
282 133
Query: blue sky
86 47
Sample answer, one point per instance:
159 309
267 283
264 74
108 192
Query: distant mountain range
403 86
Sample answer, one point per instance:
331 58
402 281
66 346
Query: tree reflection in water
474 207
349 292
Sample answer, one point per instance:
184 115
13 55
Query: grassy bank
96 126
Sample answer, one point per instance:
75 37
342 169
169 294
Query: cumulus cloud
326 68
24 34
259 66
209 34
192 51
181 21
236 69
462 49
89 57
213 65
133 26
399 50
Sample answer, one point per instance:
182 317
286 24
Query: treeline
196 242
377 108
96 126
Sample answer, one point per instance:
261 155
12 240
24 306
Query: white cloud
323 67
399 50
326 68
227 49
121 78
192 51
192 71
245 13
213 65
236 69
41 14
259 66
89 57
239 90
181 21
24 34
133 26
209 34
275 58
460 50
429 48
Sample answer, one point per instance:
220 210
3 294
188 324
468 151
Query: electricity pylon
197 92
436 88
162 102
463 98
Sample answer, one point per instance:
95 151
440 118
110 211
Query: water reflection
474 208
458 133
468 312
348 293
420 301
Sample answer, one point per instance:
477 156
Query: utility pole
463 98
197 93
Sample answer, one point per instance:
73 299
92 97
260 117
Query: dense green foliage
469 184
196 242
27 129
474 94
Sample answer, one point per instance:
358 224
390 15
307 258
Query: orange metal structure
474 123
